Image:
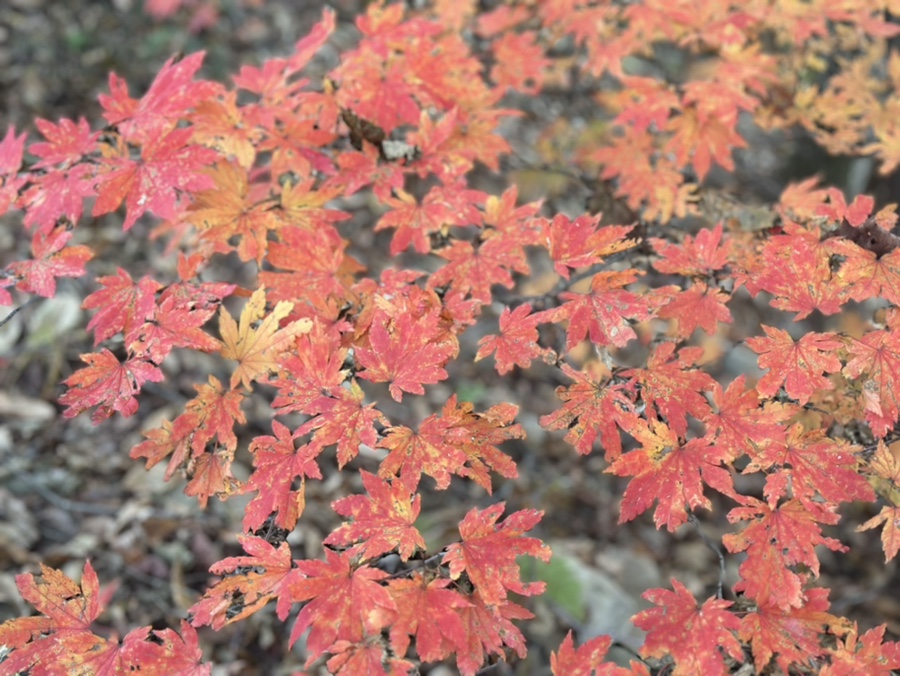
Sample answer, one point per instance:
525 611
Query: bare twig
713 546
17 310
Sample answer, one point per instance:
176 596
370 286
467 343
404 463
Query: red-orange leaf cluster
347 197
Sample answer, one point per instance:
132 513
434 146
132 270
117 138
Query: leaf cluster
266 172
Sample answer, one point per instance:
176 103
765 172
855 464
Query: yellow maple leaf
254 344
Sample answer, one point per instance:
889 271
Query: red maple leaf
60 192
169 437
877 355
802 200
346 602
602 314
121 305
587 659
277 464
271 81
11 150
519 62
669 386
488 628
406 352
387 106
812 464
318 266
438 142
413 222
791 635
370 656
581 243
412 453
473 271
310 381
210 474
697 306
798 365
445 444
314 369
867 274
211 414
644 102
171 95
478 435
60 642
695 256
67 142
427 610
343 419
778 537
64 603
707 126
214 411
51 259
296 140
381 522
866 654
108 384
837 209
165 652
670 472
517 223
249 583
797 270
169 165
517 342
58 195
175 323
743 424
488 551
592 407
357 170
693 635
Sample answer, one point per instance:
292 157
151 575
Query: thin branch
17 310
627 648
714 547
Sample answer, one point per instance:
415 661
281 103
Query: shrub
263 194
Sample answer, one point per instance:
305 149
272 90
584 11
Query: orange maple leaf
235 209
888 518
257 348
